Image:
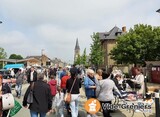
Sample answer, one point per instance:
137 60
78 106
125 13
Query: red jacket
64 81
53 86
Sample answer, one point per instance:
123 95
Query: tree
96 55
78 60
140 44
84 58
15 56
3 54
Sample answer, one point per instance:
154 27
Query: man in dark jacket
32 75
42 99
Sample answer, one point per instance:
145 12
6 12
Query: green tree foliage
3 54
84 58
78 60
140 44
15 56
96 55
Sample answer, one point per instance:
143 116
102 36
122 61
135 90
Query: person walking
53 86
4 88
32 75
42 99
64 81
60 70
19 81
75 92
59 102
90 83
63 85
104 93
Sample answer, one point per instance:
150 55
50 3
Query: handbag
67 97
30 95
7 101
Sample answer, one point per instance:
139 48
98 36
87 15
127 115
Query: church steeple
76 50
77 45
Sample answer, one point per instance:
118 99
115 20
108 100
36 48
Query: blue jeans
35 114
74 104
18 89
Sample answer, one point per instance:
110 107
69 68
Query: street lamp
158 11
42 57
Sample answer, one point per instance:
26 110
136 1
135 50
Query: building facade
108 42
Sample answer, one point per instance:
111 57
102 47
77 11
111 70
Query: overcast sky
54 25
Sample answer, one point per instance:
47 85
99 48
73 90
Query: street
25 112
82 113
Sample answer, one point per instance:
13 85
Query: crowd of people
50 86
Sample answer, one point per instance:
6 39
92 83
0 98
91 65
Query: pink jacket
53 86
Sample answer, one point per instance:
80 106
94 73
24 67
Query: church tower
76 50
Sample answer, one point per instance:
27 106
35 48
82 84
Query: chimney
124 29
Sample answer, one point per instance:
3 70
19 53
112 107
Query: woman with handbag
73 85
4 88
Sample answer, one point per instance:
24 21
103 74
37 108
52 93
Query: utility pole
42 53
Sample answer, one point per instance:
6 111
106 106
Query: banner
16 108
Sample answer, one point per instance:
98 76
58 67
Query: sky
30 26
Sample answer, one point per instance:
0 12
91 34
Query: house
37 60
108 42
58 62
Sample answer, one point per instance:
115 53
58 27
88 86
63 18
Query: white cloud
31 25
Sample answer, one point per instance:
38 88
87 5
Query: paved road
25 112
82 113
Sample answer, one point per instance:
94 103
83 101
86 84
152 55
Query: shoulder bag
7 101
30 95
67 97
